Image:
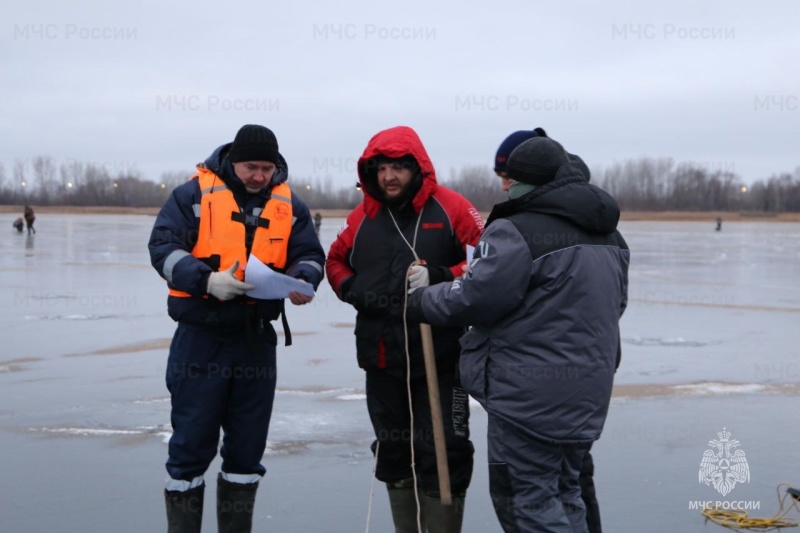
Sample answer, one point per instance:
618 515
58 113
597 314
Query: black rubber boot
235 502
404 506
184 510
442 518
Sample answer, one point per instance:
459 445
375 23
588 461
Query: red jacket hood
397 142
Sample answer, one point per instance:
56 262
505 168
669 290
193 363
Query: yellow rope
741 520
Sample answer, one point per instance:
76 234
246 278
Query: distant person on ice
221 370
18 224
546 289
405 215
719 224
29 218
317 223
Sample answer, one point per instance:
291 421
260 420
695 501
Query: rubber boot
184 510
442 518
404 506
235 502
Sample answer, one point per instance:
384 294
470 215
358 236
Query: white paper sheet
271 285
470 253
470 258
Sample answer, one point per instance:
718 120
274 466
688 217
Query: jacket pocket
472 366
473 340
370 351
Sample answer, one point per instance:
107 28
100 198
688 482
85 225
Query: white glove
418 277
225 286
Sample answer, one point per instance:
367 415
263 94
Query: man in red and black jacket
406 216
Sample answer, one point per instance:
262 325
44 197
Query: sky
155 86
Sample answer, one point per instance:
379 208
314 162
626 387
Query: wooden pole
436 414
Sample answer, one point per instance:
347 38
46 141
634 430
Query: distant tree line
42 181
478 184
644 184
648 184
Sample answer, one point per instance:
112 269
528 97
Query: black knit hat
536 161
254 143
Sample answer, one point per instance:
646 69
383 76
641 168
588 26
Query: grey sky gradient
155 86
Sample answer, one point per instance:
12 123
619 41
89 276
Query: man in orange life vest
221 370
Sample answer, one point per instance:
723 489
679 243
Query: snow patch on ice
299 392
69 317
677 341
158 431
54 296
705 389
88 431
352 397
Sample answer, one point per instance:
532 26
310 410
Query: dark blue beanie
511 142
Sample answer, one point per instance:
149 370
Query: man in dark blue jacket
221 371
544 295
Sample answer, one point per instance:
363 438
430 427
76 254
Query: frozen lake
710 341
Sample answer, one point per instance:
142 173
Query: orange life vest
222 227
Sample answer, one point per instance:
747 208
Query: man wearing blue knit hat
517 138
586 479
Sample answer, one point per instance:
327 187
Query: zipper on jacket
210 218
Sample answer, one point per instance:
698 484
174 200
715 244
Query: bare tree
478 184
174 178
44 172
71 173
20 178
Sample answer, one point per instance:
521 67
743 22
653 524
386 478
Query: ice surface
710 340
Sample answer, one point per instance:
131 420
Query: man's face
254 174
505 181
394 180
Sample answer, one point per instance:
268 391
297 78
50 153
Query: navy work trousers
220 380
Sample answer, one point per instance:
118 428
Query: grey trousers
534 485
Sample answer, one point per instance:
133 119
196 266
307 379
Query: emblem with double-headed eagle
725 467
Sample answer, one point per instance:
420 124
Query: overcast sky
156 86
